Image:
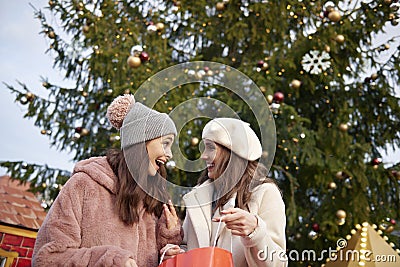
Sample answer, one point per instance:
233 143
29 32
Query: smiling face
159 151
213 156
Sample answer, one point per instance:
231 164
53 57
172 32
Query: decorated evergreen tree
330 86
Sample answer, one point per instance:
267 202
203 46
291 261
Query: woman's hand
239 221
170 215
172 251
130 263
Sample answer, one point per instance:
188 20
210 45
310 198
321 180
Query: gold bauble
84 132
85 28
51 35
343 127
160 26
295 84
194 141
29 96
340 175
134 62
332 185
327 48
270 98
341 214
334 16
374 76
43 131
339 39
220 6
387 2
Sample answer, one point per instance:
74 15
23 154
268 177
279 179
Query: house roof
18 206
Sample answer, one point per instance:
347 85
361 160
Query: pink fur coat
82 227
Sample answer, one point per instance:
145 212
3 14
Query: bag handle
165 251
216 235
214 245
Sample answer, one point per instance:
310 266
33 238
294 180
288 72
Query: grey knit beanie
137 122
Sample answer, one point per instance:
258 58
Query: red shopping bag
201 257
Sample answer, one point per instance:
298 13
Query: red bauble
393 221
279 97
376 161
144 56
315 227
78 129
260 63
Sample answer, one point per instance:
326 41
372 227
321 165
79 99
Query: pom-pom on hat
235 135
137 122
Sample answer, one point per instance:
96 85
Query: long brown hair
129 194
237 175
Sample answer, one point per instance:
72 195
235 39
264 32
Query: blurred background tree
330 86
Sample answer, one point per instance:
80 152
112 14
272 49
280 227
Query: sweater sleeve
59 238
267 246
168 236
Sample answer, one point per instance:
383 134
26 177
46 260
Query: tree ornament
85 28
340 175
313 235
315 227
334 16
23 100
109 92
376 161
136 50
84 132
332 185
262 65
343 127
220 6
396 174
152 28
387 2
51 34
270 98
339 39
295 84
374 76
194 141
341 214
78 129
315 61
134 62
144 56
30 96
43 132
160 26
278 97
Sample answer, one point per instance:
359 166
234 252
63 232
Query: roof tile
18 206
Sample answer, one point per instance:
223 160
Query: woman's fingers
171 251
172 209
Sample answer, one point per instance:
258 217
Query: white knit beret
235 135
137 122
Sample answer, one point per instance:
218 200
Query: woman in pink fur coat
111 211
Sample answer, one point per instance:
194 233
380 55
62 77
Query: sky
23 56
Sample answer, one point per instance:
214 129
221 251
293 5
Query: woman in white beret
235 189
111 211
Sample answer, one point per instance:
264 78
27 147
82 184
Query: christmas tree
329 83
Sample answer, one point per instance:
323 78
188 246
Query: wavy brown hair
129 194
237 175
